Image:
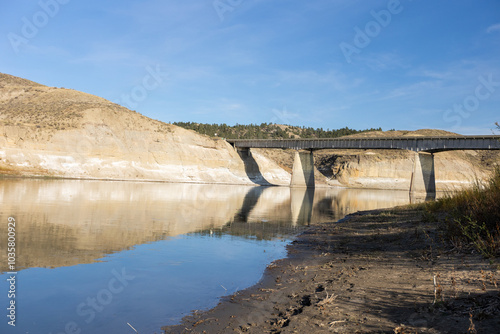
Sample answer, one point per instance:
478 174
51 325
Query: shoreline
67 178
379 271
317 185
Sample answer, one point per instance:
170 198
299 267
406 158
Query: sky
405 65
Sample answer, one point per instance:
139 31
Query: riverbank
383 271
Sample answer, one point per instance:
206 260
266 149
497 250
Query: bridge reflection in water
68 222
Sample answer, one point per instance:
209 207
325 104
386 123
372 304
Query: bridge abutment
423 179
303 170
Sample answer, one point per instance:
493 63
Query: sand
384 271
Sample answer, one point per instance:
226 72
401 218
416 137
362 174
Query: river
115 257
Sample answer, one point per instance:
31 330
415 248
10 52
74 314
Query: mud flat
383 271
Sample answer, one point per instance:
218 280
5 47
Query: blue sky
407 64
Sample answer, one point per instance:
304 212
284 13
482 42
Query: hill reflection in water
64 223
185 244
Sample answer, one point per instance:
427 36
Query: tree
269 130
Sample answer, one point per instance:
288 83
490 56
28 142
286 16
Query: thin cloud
384 61
493 28
334 79
440 75
102 57
418 89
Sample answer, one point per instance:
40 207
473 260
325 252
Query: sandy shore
383 271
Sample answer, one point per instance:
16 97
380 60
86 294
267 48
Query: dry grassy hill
27 103
65 133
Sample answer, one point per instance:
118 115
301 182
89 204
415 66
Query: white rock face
101 152
393 170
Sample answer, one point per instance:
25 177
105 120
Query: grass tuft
473 215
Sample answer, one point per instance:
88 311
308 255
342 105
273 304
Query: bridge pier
423 178
303 170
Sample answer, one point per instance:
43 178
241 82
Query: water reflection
181 242
66 223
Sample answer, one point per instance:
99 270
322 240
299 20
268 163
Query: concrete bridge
423 175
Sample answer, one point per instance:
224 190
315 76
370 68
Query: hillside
47 131
29 104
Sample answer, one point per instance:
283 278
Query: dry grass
329 299
42 109
472 215
26 103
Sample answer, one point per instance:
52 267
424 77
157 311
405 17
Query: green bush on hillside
266 131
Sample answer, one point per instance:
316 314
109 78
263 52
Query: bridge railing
417 144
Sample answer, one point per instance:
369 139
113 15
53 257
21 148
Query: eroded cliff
64 133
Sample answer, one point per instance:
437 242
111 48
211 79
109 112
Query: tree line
267 131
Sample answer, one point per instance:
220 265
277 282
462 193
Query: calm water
94 256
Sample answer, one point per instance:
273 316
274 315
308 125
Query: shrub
474 215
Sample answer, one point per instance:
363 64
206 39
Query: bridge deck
417 144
